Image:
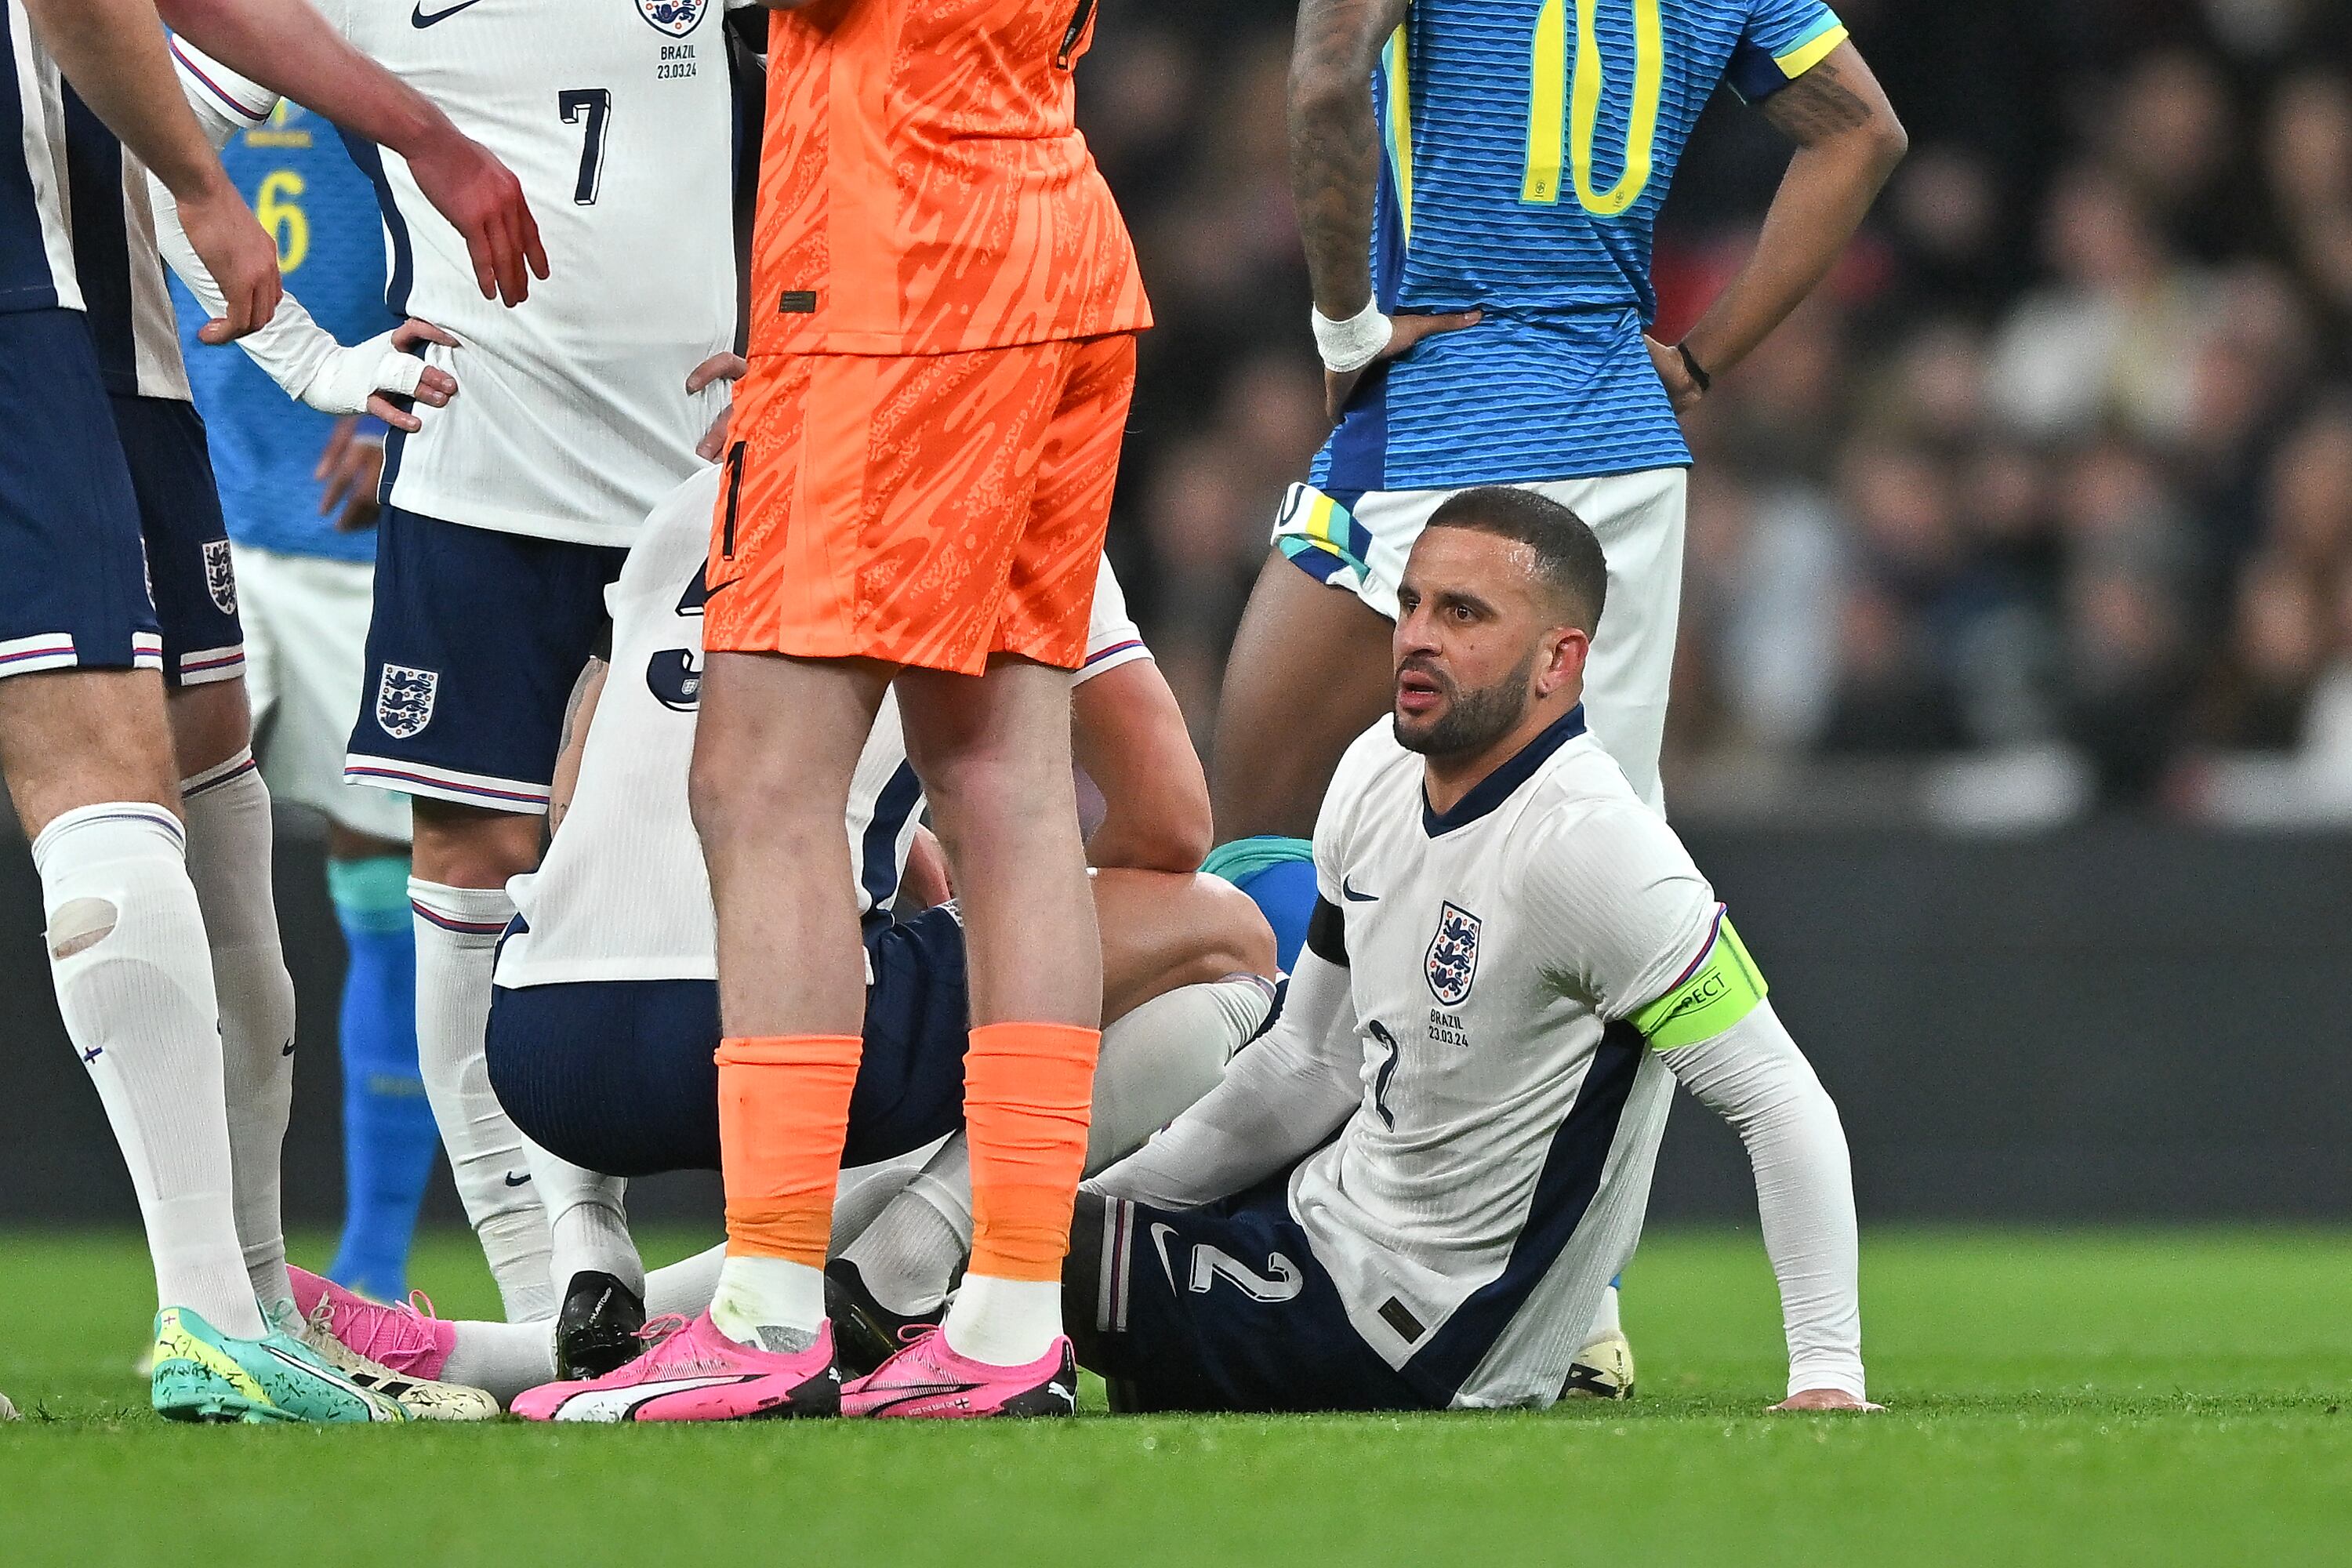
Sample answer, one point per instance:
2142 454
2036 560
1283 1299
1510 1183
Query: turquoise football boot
202 1374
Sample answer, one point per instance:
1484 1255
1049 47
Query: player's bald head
1564 555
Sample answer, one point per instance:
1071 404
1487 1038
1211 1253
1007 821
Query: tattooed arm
1335 165
1848 141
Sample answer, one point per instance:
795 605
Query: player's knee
466 847
80 924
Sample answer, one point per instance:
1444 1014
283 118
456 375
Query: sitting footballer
1412 1192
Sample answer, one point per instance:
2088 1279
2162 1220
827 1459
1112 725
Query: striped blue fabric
26 283
1502 190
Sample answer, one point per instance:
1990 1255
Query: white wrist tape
348 376
1353 343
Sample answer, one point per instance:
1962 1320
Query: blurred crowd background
2042 508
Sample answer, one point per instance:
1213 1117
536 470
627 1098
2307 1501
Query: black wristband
1690 364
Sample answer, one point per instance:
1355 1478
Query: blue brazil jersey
305 190
1527 145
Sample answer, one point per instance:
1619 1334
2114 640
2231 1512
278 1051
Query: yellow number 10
1553 106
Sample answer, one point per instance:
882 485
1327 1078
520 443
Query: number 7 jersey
572 420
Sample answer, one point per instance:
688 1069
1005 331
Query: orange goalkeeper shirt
923 185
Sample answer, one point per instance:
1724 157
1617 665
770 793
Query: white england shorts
306 626
1361 548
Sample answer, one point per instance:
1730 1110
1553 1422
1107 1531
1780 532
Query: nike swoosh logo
287 1050
1160 1234
1354 897
515 1180
418 18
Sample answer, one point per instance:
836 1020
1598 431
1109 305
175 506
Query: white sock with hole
504 1358
128 953
1003 1322
456 943
229 865
908 1254
772 1303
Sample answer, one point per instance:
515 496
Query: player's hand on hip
1825 1399
1404 331
483 200
1682 390
718 367
351 467
241 256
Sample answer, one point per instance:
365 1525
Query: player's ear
1562 664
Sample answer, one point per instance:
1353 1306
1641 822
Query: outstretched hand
1404 331
1813 1399
483 200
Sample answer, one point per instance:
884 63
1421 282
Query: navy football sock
390 1141
1278 874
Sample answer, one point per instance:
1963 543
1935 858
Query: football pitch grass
2055 1397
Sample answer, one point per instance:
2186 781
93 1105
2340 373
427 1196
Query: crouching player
1413 1192
604 1021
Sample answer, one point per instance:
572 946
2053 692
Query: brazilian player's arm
1848 142
1335 168
1640 935
1280 1097
112 52
289 47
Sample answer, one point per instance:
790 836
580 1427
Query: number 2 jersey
1527 146
572 420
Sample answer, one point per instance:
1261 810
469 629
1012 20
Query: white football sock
457 941
908 1254
127 951
772 1303
228 862
1003 1322
1160 1058
686 1286
504 1358
1607 1321
588 1225
866 1191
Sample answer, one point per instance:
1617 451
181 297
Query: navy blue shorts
476 642
187 542
73 589
619 1076
1224 1308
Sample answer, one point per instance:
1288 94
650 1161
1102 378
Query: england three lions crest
220 577
1453 960
676 17
404 700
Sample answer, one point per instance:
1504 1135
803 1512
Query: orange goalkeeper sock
783 1114
1028 1089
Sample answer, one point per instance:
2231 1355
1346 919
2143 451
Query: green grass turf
2071 1397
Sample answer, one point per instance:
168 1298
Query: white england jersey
572 419
621 894
1475 1205
36 261
75 231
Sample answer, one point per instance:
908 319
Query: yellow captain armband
1717 991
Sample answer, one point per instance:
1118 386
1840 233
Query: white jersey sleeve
1624 909
1112 638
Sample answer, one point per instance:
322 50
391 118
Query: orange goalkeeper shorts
922 510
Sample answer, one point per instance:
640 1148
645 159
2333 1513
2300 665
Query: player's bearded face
1462 721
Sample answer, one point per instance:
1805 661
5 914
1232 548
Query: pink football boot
691 1372
408 1340
927 1379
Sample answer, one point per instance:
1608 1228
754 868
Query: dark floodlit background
2042 509
2014 711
